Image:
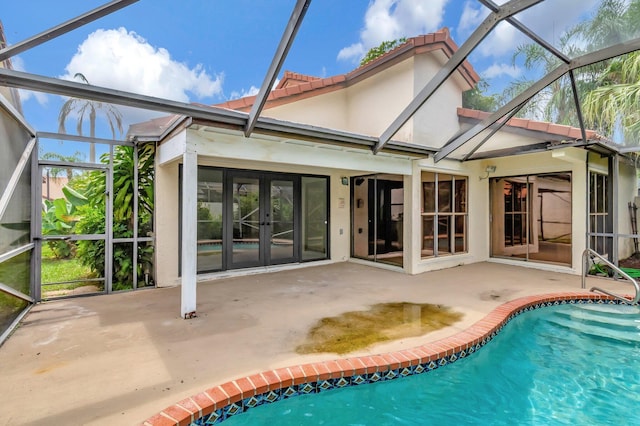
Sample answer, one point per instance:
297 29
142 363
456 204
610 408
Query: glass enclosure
16 249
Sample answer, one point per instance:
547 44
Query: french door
264 212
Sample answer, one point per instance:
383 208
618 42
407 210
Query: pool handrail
617 270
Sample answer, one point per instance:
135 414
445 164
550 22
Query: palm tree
83 106
615 105
614 22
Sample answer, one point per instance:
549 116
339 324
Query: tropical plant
477 98
610 90
92 253
59 217
82 107
380 50
615 105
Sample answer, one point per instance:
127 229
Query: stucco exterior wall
325 110
627 192
374 103
437 120
167 224
232 150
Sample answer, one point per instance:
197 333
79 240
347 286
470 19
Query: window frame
442 212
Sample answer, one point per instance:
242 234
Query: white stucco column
189 231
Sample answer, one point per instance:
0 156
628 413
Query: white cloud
353 52
251 91
123 60
499 70
391 19
25 95
550 20
470 19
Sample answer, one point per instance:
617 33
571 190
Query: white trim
535 265
213 276
189 233
377 264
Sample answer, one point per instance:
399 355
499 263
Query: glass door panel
210 206
280 224
314 218
244 249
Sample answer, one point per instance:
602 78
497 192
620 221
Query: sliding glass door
377 218
531 218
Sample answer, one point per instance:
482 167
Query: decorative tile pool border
218 403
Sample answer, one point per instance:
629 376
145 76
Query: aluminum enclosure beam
39 83
525 96
64 28
576 100
528 32
493 131
78 138
505 11
74 89
289 35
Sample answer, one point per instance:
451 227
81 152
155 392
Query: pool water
561 365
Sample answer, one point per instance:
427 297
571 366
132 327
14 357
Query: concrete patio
121 358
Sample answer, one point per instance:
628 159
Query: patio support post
189 232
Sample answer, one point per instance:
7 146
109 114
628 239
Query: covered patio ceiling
511 13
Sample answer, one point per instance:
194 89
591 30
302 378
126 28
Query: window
444 214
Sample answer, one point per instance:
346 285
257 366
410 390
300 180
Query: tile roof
295 86
539 126
153 127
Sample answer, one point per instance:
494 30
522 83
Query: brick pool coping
220 397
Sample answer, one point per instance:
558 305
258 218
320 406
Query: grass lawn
59 270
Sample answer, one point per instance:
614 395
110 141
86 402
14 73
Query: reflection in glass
532 217
15 225
282 223
246 220
378 218
443 231
314 218
14 273
209 219
427 236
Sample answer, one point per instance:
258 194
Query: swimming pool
567 364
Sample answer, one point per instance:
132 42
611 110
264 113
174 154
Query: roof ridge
439 40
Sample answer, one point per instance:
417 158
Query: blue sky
209 51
